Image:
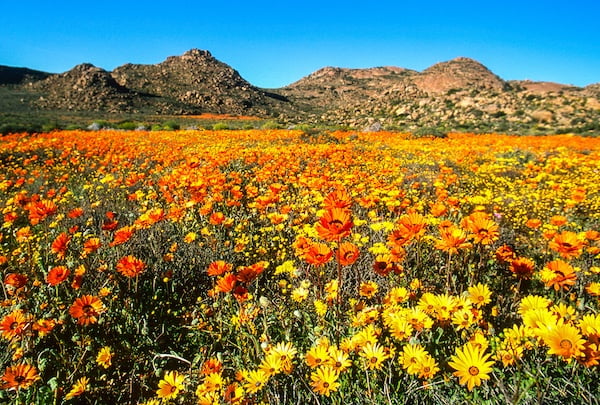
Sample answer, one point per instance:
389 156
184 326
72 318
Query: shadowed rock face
15 75
458 94
85 87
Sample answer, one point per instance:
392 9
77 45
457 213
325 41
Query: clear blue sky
274 43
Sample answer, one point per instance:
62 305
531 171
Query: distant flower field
275 266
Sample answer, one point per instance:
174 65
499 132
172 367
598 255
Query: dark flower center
473 370
566 344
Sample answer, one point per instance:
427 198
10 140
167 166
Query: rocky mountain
461 94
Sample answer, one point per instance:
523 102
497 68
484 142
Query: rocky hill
85 87
460 94
198 80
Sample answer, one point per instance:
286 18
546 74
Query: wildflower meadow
280 267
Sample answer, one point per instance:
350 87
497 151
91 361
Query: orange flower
226 283
110 224
505 254
533 223
210 366
57 275
564 275
91 245
122 235
558 220
335 224
86 309
301 246
78 279
14 324
219 267
522 267
59 246
15 280
247 274
216 218
484 230
347 253
414 224
130 266
318 254
75 213
592 235
18 377
23 234
438 209
452 239
567 244
40 210
337 199
44 326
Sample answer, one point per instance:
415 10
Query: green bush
171 125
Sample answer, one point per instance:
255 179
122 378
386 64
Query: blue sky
274 43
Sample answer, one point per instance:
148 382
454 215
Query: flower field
278 267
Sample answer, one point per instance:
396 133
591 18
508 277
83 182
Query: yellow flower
271 365
255 380
78 388
480 294
286 267
190 237
104 357
299 294
171 385
213 382
411 357
374 356
324 380
332 289
397 295
427 367
285 351
338 359
533 302
317 355
508 356
563 340
368 289
320 307
463 319
471 366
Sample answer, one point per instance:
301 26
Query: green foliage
429 132
220 126
271 125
